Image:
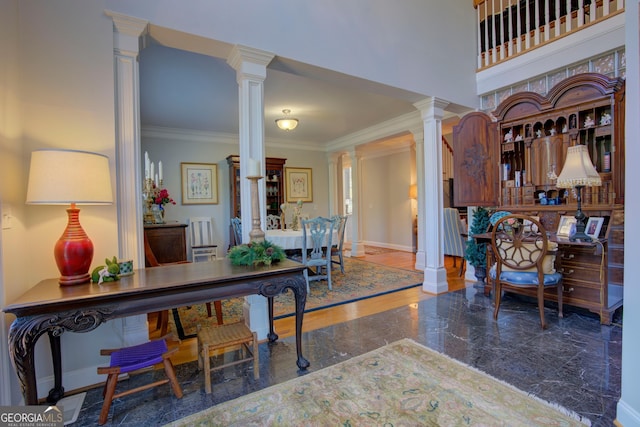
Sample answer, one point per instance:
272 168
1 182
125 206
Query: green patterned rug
400 384
361 280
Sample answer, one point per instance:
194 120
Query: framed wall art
594 225
298 184
199 183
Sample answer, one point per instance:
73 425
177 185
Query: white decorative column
334 179
251 70
357 246
435 275
420 251
127 40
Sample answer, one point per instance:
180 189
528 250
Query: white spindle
519 29
487 48
580 13
536 33
527 42
547 24
605 8
593 8
557 18
479 38
494 57
567 19
501 32
511 35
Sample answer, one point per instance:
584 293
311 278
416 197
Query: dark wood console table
52 309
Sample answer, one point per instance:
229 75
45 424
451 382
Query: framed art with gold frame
298 184
199 183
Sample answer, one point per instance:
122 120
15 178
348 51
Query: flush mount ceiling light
287 123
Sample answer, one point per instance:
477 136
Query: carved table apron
53 309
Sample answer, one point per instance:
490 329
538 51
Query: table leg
300 295
57 392
272 334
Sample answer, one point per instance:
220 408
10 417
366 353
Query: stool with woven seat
225 336
129 359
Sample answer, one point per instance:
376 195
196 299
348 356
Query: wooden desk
585 283
52 309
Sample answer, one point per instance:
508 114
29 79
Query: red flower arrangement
160 196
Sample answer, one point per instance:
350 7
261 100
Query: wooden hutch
511 163
274 182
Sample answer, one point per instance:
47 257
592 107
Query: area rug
400 384
361 280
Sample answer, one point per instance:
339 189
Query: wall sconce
413 191
60 177
578 172
287 123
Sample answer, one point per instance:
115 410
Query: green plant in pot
476 252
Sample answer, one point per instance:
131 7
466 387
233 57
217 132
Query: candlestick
146 165
254 168
256 234
160 169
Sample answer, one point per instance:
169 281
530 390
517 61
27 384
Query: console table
53 309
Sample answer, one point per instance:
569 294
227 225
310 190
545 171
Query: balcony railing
507 28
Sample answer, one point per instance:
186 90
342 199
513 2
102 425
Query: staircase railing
507 28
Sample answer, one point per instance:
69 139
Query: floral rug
400 384
361 280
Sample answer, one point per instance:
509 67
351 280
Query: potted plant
476 252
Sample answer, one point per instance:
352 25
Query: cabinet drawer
580 259
588 276
579 295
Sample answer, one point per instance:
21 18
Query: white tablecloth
290 239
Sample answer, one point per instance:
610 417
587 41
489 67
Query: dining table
289 239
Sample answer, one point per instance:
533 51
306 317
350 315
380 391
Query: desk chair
525 261
337 250
202 245
162 322
454 236
132 359
316 249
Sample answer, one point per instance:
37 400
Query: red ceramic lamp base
74 252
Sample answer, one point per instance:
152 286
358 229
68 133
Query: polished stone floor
575 363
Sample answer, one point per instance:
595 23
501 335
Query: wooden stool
134 358
224 336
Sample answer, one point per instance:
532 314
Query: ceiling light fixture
287 123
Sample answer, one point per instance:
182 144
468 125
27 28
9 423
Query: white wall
629 406
386 217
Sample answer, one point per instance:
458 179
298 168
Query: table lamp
578 172
60 177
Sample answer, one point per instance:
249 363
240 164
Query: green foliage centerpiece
255 253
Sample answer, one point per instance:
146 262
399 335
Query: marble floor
575 363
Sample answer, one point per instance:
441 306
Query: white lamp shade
61 177
287 124
578 169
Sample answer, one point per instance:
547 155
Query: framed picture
199 183
567 226
594 225
298 184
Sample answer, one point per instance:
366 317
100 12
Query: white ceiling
193 91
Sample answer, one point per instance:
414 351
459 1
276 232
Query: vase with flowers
156 200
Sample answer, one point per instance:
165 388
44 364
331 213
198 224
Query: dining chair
525 261
236 227
162 322
273 222
454 236
202 245
316 249
337 250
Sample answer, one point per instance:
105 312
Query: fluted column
251 71
435 275
128 33
357 246
420 251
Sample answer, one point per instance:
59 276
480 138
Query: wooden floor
333 315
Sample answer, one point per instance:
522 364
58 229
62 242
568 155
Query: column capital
249 63
431 107
128 33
